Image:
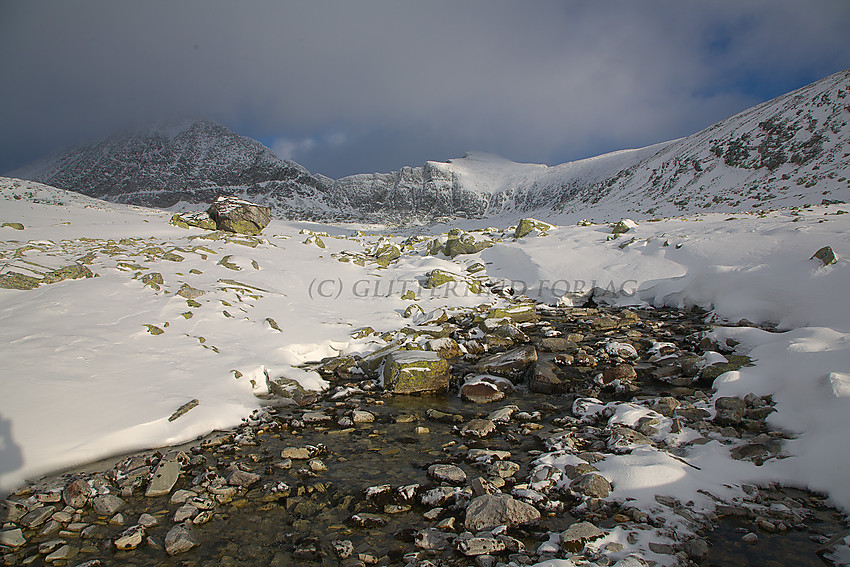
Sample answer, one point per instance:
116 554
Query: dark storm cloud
345 87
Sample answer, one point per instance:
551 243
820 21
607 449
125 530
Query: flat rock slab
164 478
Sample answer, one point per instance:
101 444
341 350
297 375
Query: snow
84 378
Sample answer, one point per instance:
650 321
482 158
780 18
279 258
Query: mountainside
169 163
788 151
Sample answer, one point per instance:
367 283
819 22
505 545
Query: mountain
172 162
791 150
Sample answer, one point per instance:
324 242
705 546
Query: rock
475 546
188 292
623 227
622 373
604 323
730 411
826 255
503 469
411 371
107 505
449 474
512 363
13 225
578 535
437 277
11 511
438 496
15 280
182 410
243 478
76 494
37 516
492 510
459 242
481 392
526 226
179 540
623 350
73 272
61 553
696 548
297 453
592 484
478 428
12 538
522 313
557 344
545 380
431 539
130 538
185 512
235 215
164 478
343 548
366 520
199 219
360 416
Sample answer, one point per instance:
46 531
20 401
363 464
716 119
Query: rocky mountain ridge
792 150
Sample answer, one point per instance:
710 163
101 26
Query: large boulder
236 215
415 371
492 510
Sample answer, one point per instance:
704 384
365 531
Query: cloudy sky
360 86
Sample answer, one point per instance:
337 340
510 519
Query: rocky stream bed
499 469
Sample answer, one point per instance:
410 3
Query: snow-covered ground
95 367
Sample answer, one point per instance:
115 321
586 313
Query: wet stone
37 516
474 546
130 538
449 474
478 428
164 478
179 540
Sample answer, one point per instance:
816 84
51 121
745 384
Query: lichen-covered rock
72 272
15 280
623 227
522 313
236 215
200 219
190 292
414 371
385 252
526 226
438 277
459 242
